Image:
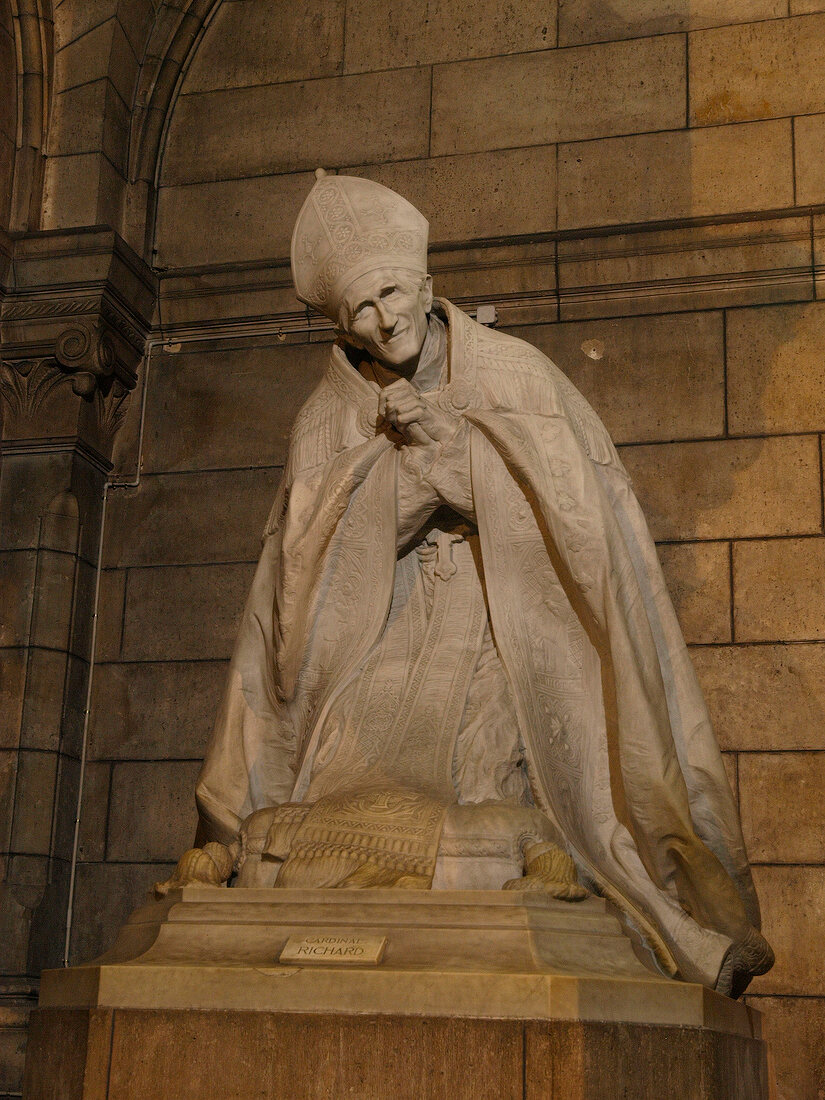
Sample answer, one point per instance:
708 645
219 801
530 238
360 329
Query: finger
408 401
399 387
404 400
405 418
402 416
428 420
416 435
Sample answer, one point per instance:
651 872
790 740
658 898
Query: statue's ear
428 293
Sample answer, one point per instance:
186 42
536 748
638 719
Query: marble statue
458 665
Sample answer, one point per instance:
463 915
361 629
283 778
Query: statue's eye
387 291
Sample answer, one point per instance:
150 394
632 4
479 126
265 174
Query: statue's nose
386 318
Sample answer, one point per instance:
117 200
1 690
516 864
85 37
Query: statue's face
385 314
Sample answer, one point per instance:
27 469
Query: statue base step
391 993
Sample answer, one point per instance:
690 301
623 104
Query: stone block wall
497 120
638 187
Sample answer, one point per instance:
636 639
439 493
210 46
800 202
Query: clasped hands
420 424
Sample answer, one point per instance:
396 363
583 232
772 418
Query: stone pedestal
477 994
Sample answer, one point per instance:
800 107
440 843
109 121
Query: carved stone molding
25 309
73 328
709 264
90 336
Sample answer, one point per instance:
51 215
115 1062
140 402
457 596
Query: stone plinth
476 994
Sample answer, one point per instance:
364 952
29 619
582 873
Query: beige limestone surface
248 219
135 710
233 134
809 135
159 835
110 614
675 361
766 605
674 174
165 520
417 33
797 780
726 488
757 70
198 412
794 899
663 271
564 95
775 381
468 196
239 50
698 579
796 1026
163 606
591 21
766 697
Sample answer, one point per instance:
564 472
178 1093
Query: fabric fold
617 741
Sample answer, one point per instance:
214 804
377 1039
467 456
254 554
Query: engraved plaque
332 950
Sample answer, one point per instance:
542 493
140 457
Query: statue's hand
418 422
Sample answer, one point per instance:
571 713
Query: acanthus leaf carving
111 408
25 384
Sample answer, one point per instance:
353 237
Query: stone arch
8 110
261 104
172 43
30 24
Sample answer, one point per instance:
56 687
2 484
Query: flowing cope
619 748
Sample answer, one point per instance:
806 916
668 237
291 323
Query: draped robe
617 742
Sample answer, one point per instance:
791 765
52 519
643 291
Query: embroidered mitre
347 227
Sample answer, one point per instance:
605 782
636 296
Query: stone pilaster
75 310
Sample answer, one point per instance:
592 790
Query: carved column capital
73 327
